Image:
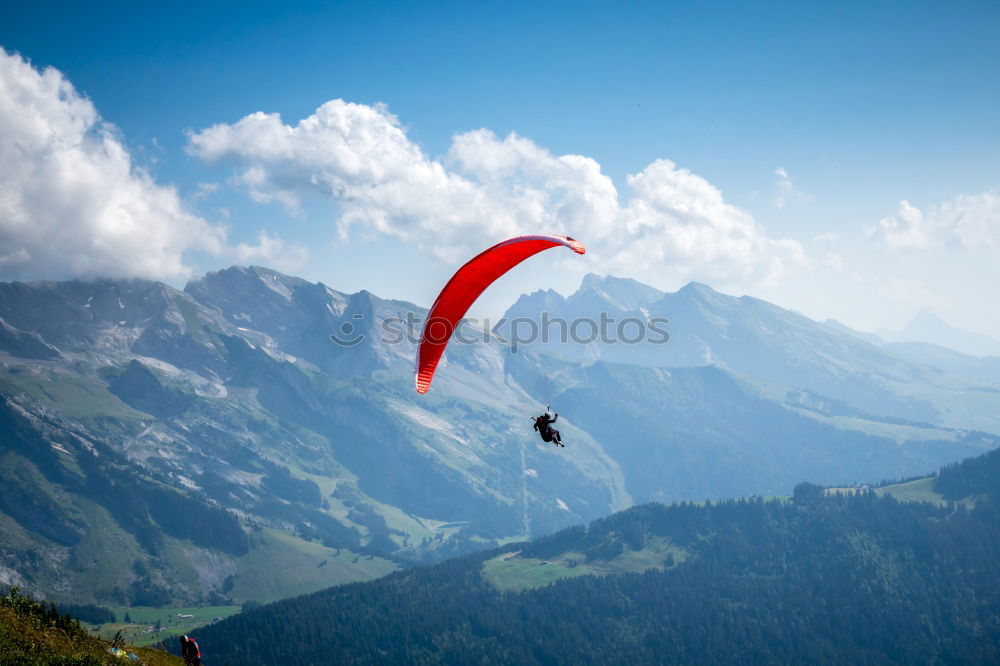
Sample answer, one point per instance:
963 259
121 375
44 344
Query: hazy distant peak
263 271
702 293
624 293
252 278
257 272
531 305
269 275
928 327
593 281
541 296
697 288
926 318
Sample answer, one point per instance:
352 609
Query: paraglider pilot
543 424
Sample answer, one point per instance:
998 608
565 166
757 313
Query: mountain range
215 444
928 328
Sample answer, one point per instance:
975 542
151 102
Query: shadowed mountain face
231 401
23 344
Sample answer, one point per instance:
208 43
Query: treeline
905 479
853 578
88 613
973 477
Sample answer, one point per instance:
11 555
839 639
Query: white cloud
907 229
970 220
205 190
72 200
829 238
679 218
487 188
785 190
832 260
272 252
966 221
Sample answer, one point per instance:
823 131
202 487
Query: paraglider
543 424
464 288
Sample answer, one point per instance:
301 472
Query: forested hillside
977 477
820 578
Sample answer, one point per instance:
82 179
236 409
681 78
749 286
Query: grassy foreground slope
32 634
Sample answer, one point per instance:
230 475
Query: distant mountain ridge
757 339
232 399
929 328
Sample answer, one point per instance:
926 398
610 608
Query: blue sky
861 105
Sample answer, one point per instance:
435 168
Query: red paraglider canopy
464 288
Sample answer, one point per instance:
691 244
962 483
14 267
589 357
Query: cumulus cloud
678 218
906 229
785 190
72 200
272 252
967 221
970 220
486 188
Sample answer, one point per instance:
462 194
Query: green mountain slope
77 515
